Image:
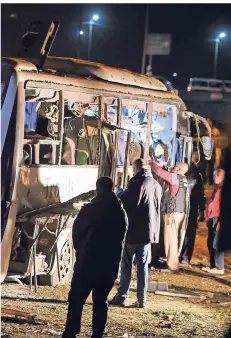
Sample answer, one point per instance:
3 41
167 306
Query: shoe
117 300
158 266
140 305
184 262
176 271
216 271
205 268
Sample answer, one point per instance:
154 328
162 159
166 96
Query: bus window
134 117
201 84
81 136
42 130
215 85
227 86
163 133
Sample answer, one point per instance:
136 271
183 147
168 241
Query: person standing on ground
197 202
98 234
213 210
176 212
141 201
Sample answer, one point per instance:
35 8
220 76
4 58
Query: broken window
163 143
42 127
134 117
81 129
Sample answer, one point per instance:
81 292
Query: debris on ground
208 306
173 294
53 333
30 319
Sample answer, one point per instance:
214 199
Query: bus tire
66 262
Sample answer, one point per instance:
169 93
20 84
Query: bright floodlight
222 35
81 32
174 74
95 17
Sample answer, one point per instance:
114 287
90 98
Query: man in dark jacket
141 201
98 235
197 202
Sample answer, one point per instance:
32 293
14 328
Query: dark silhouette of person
98 234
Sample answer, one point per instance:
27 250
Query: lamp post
94 18
81 32
217 41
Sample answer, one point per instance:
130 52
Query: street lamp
80 34
222 35
94 18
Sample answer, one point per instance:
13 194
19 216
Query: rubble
31 319
157 286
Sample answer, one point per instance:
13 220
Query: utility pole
215 58
90 39
145 39
222 35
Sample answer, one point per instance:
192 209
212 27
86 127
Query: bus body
62 128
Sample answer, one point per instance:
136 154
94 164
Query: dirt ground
207 314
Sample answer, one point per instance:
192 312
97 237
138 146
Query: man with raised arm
176 211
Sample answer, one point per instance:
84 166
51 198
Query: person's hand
201 217
218 226
160 163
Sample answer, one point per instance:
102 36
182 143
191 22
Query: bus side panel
7 107
43 186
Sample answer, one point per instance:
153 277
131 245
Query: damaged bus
63 126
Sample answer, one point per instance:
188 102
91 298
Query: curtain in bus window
121 147
31 116
179 150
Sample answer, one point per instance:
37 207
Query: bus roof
104 79
86 69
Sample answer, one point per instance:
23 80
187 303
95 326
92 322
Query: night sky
118 41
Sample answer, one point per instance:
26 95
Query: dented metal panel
99 88
95 70
46 185
20 64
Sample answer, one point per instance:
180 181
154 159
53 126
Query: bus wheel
66 260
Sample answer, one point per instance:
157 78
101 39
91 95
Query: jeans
81 288
141 253
217 258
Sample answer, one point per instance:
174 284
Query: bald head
180 168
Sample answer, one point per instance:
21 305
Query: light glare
222 35
95 17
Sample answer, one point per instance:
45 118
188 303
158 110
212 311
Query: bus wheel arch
66 262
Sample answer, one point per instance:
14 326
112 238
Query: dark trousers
190 236
217 258
157 249
81 288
